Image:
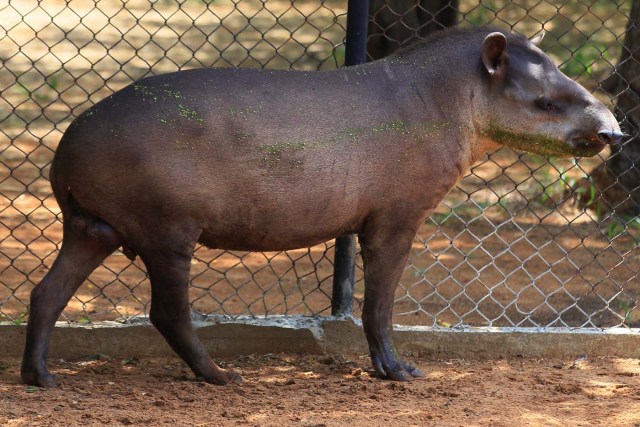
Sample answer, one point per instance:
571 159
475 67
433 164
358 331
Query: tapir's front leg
385 248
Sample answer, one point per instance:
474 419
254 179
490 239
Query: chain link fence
507 247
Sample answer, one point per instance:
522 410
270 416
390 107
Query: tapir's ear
493 49
537 39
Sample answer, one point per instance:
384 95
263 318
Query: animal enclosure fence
507 247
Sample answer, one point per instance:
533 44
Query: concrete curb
225 337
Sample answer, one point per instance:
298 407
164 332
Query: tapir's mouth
585 146
577 144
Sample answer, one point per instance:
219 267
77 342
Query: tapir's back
233 114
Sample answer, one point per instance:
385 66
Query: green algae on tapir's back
143 89
410 132
166 94
541 144
153 93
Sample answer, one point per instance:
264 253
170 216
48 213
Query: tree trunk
617 180
395 23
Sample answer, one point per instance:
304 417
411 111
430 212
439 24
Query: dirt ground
317 390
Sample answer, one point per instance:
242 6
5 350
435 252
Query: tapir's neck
444 86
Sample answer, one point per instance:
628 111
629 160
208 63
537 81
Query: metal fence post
345 249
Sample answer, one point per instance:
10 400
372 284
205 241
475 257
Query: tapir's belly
295 218
264 241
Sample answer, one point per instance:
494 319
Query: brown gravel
316 390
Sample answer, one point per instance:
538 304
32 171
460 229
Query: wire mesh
509 246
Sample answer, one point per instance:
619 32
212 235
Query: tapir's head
534 107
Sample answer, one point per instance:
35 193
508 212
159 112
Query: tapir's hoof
234 377
399 375
413 371
45 379
222 377
399 371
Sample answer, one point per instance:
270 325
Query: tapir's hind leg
79 256
171 314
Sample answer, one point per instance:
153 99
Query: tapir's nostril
609 136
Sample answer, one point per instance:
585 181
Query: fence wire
509 246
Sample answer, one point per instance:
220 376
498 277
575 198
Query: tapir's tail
60 187
57 187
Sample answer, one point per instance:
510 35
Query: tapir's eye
546 104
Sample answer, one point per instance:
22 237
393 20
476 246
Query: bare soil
315 390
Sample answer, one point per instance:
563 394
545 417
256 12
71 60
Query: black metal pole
356 41
344 265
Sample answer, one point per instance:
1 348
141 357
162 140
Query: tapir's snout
603 130
610 136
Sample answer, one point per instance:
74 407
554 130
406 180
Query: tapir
265 160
